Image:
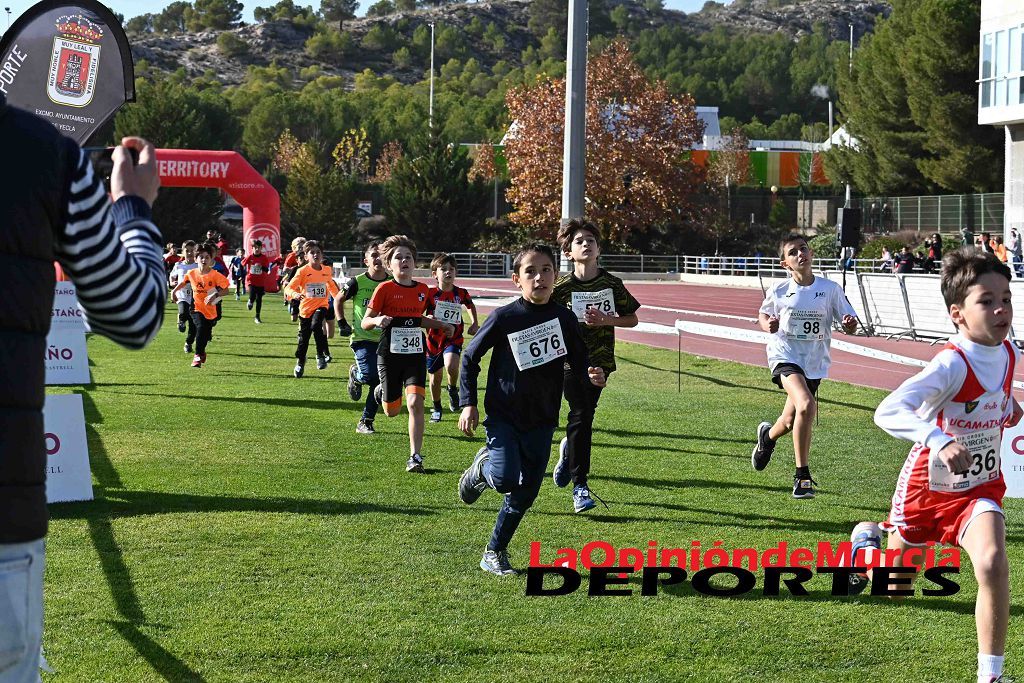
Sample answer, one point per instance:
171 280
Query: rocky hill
285 42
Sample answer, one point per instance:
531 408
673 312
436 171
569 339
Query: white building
1001 94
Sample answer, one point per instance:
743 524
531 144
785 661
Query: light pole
8 10
574 143
430 113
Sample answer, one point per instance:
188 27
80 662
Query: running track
725 306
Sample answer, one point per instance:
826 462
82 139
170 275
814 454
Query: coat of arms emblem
74 61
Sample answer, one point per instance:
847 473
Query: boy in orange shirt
311 286
208 286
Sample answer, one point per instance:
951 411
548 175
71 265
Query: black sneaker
764 448
188 348
435 416
415 464
355 387
472 483
497 562
248 304
453 399
181 326
321 363
378 394
803 486
365 427
299 369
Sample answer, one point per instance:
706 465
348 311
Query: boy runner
397 307
238 273
601 303
310 287
257 267
363 342
445 303
799 313
951 487
208 286
183 298
532 338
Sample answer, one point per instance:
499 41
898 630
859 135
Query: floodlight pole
574 147
430 113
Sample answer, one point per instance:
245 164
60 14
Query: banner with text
66 355
68 476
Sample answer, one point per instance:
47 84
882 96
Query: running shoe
497 562
327 357
299 369
582 500
453 399
355 387
435 415
257 321
764 448
378 394
561 473
248 304
415 463
321 363
803 487
188 348
202 357
237 297
865 537
365 427
472 483
181 326
197 362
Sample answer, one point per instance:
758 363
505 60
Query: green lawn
242 531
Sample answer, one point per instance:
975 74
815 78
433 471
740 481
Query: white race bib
602 300
537 345
804 325
448 312
256 269
316 290
406 340
985 463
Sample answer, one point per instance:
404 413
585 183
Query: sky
132 8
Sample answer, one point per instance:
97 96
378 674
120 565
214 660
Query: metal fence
934 213
470 264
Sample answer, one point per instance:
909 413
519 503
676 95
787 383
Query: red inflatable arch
229 171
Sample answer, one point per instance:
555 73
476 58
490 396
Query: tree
546 14
230 45
352 153
381 8
910 104
389 155
431 198
638 172
172 18
219 15
172 115
317 203
139 25
338 10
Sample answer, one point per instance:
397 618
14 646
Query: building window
1001 71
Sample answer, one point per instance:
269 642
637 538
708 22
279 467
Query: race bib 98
316 290
537 345
406 340
985 463
805 325
602 300
448 312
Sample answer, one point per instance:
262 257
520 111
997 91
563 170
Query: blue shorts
436 363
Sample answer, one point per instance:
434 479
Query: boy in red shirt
257 265
445 303
208 286
311 287
397 307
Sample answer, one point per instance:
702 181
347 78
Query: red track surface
739 301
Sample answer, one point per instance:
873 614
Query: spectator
999 249
987 243
904 261
873 217
1016 248
926 263
937 247
967 237
703 264
886 266
886 218
55 208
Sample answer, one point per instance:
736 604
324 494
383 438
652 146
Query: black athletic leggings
204 330
185 316
312 325
579 430
256 295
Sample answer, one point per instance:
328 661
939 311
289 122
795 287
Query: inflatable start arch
228 171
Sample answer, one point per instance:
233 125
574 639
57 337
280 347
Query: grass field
242 531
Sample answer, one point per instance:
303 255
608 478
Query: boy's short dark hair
310 245
790 239
373 244
532 248
964 267
206 248
443 259
257 243
569 230
392 243
187 243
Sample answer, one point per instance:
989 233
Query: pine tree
338 10
431 198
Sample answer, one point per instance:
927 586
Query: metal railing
470 264
948 213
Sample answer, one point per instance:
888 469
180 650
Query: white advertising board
68 476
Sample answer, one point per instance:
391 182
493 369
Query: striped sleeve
112 253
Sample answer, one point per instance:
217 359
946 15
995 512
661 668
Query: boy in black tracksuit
532 339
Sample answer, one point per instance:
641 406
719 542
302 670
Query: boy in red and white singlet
951 487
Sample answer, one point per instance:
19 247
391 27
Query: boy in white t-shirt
799 314
951 487
183 298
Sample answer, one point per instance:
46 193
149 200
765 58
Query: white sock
989 667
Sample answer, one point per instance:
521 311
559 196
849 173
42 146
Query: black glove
344 329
